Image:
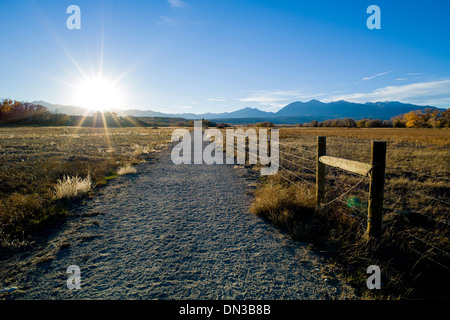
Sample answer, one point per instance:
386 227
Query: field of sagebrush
43 169
414 251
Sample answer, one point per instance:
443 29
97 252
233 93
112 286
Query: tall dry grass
42 169
126 169
72 187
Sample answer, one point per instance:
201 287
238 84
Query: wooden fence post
320 172
247 148
376 191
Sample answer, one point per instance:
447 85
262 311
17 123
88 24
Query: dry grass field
42 169
414 251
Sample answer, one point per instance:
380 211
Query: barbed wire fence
297 167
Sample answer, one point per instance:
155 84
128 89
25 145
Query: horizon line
253 108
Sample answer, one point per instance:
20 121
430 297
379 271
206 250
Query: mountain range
295 112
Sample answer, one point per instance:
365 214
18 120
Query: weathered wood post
376 191
320 170
247 148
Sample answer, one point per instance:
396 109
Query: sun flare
98 94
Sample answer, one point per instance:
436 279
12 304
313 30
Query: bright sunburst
98 94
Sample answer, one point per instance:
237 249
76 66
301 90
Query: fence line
288 180
356 215
402 213
427 257
301 158
339 181
424 175
362 169
353 208
430 197
295 147
312 184
339 198
439 178
405 212
343 194
298 165
428 244
358 211
342 164
375 171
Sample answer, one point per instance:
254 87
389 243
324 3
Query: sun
98 94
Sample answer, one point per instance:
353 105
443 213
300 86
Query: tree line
17 112
428 118
24 113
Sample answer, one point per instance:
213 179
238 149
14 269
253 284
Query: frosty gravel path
172 232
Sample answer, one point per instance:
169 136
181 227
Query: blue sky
215 56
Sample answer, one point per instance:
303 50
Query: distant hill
63 109
241 113
344 109
295 112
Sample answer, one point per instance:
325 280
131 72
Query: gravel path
172 232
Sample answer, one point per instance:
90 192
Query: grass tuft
288 208
72 187
127 169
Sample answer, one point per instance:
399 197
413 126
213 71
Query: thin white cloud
217 99
436 92
163 20
400 79
273 100
374 76
176 109
176 22
277 96
273 108
177 3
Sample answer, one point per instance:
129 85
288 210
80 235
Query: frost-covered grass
44 168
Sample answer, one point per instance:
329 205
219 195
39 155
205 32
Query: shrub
399 124
265 124
361 123
350 123
222 125
139 150
374 123
387 124
313 123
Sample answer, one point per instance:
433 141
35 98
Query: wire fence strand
299 157
298 165
297 176
343 194
428 244
430 197
295 147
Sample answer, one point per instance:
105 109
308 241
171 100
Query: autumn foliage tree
428 118
16 111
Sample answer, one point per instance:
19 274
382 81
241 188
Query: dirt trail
172 232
